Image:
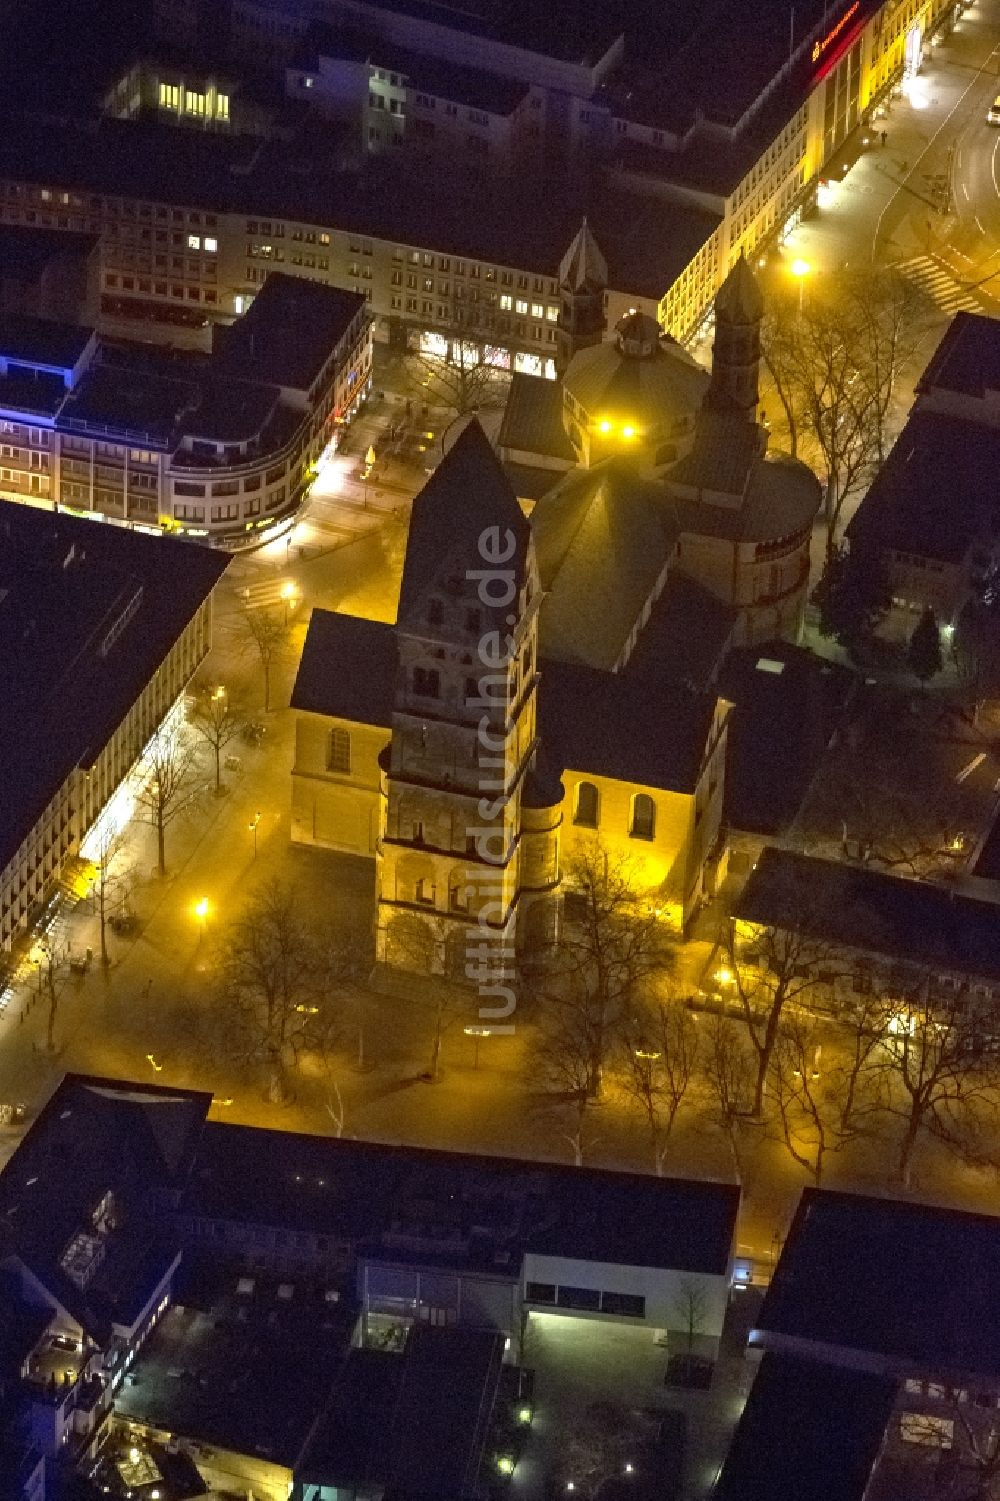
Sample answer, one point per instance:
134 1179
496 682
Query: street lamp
253 829
478 1033
288 596
800 269
201 912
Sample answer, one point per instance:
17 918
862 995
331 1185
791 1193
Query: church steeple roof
739 298
583 265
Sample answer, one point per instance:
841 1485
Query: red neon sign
820 47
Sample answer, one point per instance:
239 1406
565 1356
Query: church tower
583 281
739 312
463 725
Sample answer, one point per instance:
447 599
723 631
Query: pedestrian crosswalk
937 282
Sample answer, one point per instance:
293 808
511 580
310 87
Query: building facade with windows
223 449
112 626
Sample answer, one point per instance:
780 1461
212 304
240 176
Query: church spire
739 312
583 280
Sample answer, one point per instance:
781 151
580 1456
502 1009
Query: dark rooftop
967 360
571 32
853 905
623 725
249 1371
143 404
787 705
474 87
287 334
416 1420
25 250
533 421
467 498
934 495
389 1199
96 1135
909 1284
686 637
347 669
42 341
65 582
524 221
809 1432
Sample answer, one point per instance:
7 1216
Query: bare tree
462 381
940 1083
728 1075
53 974
834 362
661 1061
170 786
691 1304
267 631
611 953
217 717
823 1084
279 986
112 882
771 970
879 798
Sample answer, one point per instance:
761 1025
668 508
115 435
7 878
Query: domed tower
583 281
739 312
636 395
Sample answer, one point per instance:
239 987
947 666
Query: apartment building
106 628
737 112
221 448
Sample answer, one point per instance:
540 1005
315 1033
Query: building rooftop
787 705
347 669
398 1202
524 221
288 333
25 251
649 390
809 1432
533 422
439 77
467 498
414 1422
686 638
95 1137
42 341
967 360
623 725
603 537
248 1370
66 584
872 1279
853 905
934 495
572 33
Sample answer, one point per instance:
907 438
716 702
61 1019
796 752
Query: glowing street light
605 426
289 597
201 913
800 269
628 432
253 829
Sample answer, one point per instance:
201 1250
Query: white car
993 113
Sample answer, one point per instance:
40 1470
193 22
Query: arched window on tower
587 809
643 824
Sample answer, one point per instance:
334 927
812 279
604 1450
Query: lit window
211 244
521 306
552 313
222 106
537 310
506 303
194 242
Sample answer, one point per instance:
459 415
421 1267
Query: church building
471 768
641 470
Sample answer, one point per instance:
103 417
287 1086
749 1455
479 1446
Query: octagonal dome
640 391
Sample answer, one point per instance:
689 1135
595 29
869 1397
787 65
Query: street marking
937 283
980 223
968 770
965 190
996 785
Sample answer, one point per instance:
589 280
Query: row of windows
586 1299
587 811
